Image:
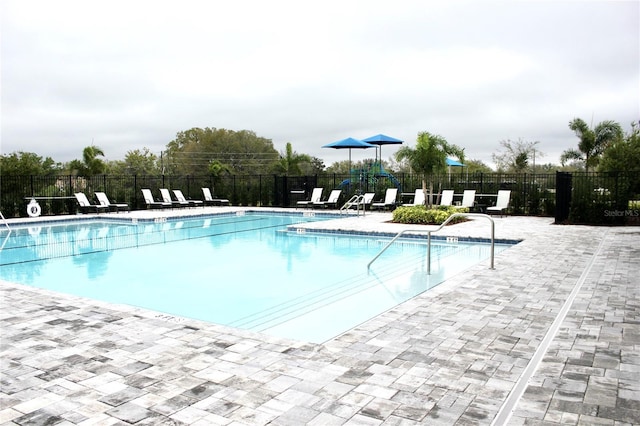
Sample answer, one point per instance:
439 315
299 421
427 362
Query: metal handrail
436 230
4 220
356 200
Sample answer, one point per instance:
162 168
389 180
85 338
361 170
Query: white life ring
33 208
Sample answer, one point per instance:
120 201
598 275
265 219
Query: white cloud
129 75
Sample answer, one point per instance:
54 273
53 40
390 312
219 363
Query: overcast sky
126 75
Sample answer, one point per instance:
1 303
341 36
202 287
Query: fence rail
531 194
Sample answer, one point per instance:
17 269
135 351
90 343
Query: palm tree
593 142
429 157
216 168
289 161
92 165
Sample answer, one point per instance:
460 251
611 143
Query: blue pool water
247 271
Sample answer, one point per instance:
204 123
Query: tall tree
243 151
136 162
476 166
593 142
92 164
26 163
515 155
290 162
623 155
315 166
216 169
429 157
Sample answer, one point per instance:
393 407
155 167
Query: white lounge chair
418 198
389 200
166 197
447 197
468 198
209 200
104 201
86 206
181 198
367 199
502 203
332 201
151 203
316 196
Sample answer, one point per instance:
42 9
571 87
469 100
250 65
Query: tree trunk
427 200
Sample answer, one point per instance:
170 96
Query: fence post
563 196
134 201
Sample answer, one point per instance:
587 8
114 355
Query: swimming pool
254 271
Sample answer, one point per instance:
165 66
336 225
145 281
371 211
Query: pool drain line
509 405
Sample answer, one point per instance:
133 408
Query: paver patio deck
550 336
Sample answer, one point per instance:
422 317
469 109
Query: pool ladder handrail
356 200
4 220
6 238
436 230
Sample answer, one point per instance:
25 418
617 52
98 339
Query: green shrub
423 216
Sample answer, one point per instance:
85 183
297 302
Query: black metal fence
598 198
591 198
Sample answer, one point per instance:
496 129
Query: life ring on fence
33 208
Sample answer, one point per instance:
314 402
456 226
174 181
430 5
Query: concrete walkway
550 336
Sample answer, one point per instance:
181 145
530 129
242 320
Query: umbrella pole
349 168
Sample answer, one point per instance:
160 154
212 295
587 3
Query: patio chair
166 197
181 198
447 197
85 205
316 195
502 203
209 200
104 201
418 198
151 203
332 201
367 199
468 198
389 200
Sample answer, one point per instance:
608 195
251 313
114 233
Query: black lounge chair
389 200
85 206
209 200
151 203
316 196
104 201
166 197
181 198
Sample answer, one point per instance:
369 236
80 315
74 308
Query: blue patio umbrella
452 162
380 140
349 143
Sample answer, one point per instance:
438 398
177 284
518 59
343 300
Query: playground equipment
370 177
